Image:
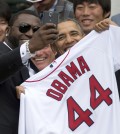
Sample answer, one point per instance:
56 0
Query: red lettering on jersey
104 94
83 65
59 86
54 94
73 70
83 116
67 79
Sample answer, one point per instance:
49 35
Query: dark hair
105 4
75 21
5 11
16 15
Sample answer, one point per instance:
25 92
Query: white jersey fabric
77 93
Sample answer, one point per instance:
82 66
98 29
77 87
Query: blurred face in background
69 34
3 28
44 57
43 5
24 27
88 14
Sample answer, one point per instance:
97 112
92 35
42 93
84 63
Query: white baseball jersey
77 93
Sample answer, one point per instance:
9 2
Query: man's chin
87 30
13 40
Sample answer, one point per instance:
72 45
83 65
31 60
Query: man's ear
7 30
106 15
56 53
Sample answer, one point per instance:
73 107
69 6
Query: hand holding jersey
104 25
19 90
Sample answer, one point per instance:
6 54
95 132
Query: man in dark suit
9 104
13 61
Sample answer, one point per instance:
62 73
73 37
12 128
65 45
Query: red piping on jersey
51 72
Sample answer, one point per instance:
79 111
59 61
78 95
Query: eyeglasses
24 28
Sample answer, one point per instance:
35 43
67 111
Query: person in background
116 19
25 25
90 12
5 15
63 7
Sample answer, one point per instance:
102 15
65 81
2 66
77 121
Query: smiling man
24 26
70 33
90 12
44 57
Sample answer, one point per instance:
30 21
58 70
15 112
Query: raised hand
47 34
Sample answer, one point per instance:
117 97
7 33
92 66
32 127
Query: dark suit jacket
12 74
118 80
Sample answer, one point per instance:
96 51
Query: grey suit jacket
64 8
116 19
